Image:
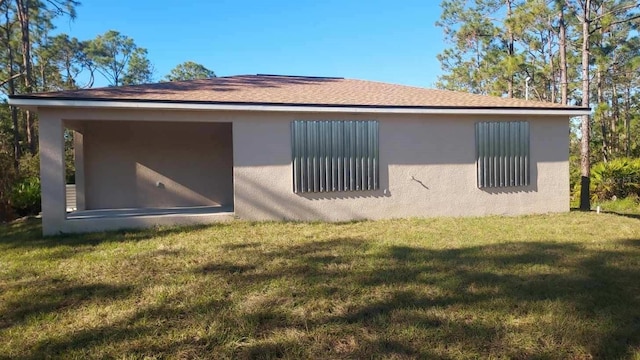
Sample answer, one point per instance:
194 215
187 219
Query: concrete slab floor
142 212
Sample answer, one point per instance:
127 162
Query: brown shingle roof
294 90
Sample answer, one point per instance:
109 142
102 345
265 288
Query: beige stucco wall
427 168
427 163
143 164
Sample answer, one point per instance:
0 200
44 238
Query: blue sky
389 41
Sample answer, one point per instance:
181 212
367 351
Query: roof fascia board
288 108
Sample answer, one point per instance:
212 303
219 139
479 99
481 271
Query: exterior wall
52 180
427 165
138 164
427 168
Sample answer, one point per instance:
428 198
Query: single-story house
267 147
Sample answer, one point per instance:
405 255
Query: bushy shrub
25 196
29 166
617 178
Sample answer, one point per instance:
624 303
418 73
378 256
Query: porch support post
78 148
52 173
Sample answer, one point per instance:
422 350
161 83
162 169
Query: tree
66 56
140 70
25 25
24 14
584 17
583 52
10 74
562 48
594 16
471 34
117 58
613 51
484 57
189 70
25 67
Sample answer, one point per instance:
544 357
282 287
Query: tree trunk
615 119
43 76
552 70
12 91
17 153
606 147
607 135
22 7
510 50
563 56
627 120
585 162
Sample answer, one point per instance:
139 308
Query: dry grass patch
555 286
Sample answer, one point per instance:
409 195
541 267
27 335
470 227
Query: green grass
629 205
556 286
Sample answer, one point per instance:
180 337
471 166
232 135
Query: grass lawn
553 286
629 205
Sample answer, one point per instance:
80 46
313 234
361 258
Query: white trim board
287 108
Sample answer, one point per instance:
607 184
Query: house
266 147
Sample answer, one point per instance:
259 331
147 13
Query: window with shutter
502 153
333 156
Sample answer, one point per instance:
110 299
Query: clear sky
389 41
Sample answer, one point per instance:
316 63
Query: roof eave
34 102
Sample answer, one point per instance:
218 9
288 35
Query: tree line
36 58
573 52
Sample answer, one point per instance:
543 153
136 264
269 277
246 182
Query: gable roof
288 91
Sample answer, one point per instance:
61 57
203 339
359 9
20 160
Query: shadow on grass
22 229
44 297
598 288
27 234
629 215
348 298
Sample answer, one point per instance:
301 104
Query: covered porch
133 173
